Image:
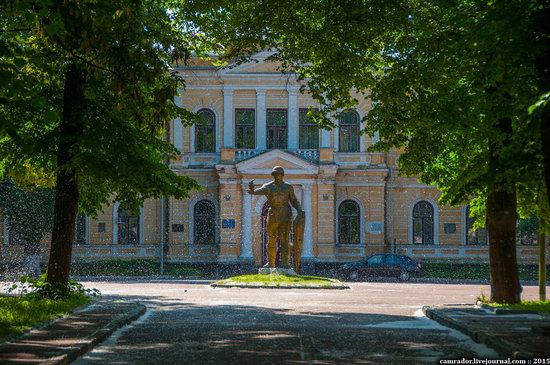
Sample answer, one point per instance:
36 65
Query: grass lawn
19 313
281 281
533 305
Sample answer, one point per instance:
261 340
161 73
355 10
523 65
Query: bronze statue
279 218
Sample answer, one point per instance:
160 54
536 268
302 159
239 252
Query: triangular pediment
259 64
264 163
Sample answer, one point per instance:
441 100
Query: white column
307 250
325 138
178 127
192 139
228 129
246 229
293 122
336 142
261 120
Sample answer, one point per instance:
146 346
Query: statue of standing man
279 218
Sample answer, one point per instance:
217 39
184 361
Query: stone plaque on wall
375 227
177 227
228 223
449 228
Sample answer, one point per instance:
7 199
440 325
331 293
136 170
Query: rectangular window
309 132
277 128
245 131
80 230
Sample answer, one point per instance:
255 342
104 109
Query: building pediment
259 64
264 163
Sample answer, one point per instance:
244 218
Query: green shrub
133 267
39 288
478 271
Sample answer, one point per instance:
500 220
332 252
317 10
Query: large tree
87 93
452 82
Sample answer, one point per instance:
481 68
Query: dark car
385 264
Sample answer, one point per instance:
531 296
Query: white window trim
191 216
115 224
362 225
217 129
435 207
362 144
86 230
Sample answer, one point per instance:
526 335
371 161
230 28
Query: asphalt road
372 323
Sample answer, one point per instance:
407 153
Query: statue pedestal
275 271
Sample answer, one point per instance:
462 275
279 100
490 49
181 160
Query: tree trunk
545 144
542 262
66 196
542 63
501 224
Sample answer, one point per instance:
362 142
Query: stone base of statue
276 271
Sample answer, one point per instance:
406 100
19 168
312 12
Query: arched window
204 230
348 132
205 131
348 222
474 236
423 223
128 227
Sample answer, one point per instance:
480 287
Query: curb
502 347
72 353
499 310
261 286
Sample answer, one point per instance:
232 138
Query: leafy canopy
440 75
125 50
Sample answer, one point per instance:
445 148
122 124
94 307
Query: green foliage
125 50
30 212
40 288
19 313
441 76
477 271
530 305
134 267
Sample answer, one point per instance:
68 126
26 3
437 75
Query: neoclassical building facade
253 117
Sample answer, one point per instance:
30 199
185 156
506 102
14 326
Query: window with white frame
309 131
128 227
423 223
348 222
276 128
205 131
348 131
204 222
245 131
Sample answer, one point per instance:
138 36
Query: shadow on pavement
176 332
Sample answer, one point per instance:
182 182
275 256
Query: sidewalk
65 339
514 336
62 341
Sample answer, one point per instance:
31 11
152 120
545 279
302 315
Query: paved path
371 323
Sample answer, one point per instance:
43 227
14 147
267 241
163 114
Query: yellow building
254 118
